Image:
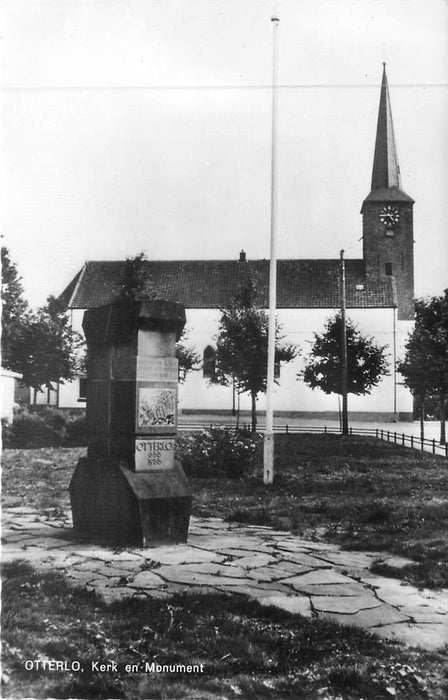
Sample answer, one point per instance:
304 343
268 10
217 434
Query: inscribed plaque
157 368
154 454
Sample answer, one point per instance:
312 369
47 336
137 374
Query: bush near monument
220 451
47 427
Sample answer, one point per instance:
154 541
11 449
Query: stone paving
314 579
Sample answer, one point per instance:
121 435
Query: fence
418 443
425 444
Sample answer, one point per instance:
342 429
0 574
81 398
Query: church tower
388 235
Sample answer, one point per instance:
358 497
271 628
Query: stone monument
130 490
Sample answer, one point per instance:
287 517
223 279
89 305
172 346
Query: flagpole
344 372
268 447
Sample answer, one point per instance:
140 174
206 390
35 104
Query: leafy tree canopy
366 361
51 350
41 345
15 312
189 360
425 364
242 342
414 367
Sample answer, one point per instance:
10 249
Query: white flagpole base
268 458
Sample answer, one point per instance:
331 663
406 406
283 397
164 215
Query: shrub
76 431
218 452
31 430
47 427
6 432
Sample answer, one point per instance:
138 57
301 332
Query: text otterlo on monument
154 454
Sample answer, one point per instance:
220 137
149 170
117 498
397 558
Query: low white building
9 382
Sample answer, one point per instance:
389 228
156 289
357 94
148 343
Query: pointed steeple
387 217
386 171
386 184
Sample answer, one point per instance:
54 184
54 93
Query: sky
145 125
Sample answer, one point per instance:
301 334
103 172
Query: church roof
210 284
386 184
391 194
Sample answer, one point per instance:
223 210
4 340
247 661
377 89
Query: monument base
118 506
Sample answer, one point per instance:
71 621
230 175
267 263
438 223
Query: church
379 300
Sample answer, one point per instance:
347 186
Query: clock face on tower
389 216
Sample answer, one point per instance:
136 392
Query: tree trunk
422 418
238 412
254 412
34 396
345 430
442 419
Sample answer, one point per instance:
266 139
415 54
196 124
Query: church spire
386 171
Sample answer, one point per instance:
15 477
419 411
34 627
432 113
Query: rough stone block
113 504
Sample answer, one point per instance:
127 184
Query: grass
248 651
429 574
38 478
359 492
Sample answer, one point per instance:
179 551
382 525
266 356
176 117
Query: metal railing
402 439
414 441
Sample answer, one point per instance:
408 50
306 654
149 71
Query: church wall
299 325
292 395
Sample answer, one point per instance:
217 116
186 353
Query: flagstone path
274 567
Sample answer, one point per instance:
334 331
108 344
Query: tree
137 285
242 343
366 361
415 373
425 365
41 346
15 313
188 357
50 351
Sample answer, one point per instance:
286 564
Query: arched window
209 362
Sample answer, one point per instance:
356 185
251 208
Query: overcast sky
134 126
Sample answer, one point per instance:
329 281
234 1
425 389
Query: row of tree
40 345
43 347
242 341
241 352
